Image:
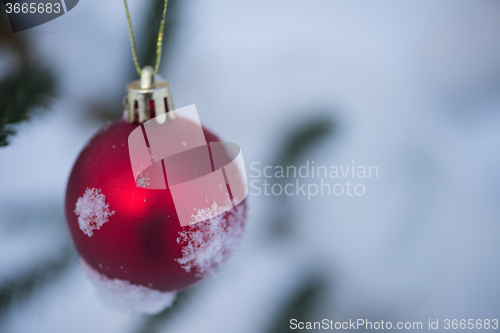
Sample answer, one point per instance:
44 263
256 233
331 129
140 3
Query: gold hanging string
159 43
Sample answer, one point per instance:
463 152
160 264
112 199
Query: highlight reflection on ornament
213 174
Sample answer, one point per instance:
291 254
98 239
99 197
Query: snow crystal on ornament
143 180
206 245
123 295
92 211
205 213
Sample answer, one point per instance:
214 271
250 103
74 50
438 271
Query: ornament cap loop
146 77
148 98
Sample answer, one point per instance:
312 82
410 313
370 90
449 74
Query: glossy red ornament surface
141 242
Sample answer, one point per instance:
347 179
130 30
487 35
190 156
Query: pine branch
150 31
296 145
21 95
301 306
22 288
155 323
305 137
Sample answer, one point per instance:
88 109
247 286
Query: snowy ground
414 87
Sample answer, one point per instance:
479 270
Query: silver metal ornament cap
141 93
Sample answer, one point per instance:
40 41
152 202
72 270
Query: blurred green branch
21 94
23 91
305 137
155 323
302 305
147 53
23 287
297 143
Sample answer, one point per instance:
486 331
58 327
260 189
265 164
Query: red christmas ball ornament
130 238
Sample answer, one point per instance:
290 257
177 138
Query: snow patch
206 245
123 295
92 211
205 213
143 180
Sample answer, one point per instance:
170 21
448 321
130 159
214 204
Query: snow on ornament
154 205
92 211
